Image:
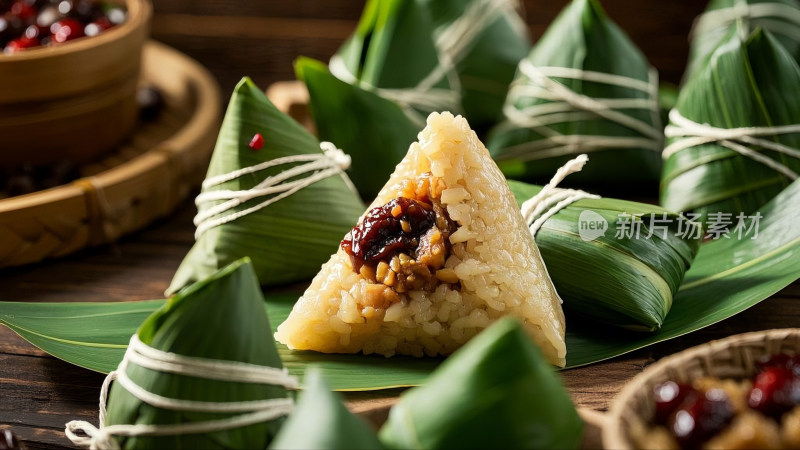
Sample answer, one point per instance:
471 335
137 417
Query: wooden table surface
39 394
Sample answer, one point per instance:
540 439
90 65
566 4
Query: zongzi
321 421
612 261
285 205
381 84
201 372
484 40
712 28
495 392
734 135
441 253
584 88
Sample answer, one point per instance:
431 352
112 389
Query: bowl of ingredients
68 78
738 392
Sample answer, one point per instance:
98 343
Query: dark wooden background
261 38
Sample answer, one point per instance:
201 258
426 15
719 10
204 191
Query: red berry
669 396
782 360
20 44
66 30
700 417
775 391
23 10
257 142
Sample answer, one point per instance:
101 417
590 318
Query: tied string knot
780 18
422 97
85 434
742 140
315 167
563 104
551 199
452 44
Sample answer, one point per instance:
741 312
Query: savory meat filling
404 243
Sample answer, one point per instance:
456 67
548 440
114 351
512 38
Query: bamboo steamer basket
734 357
143 179
73 101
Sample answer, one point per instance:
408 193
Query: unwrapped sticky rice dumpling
441 253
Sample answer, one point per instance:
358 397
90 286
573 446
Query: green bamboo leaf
220 318
753 83
321 421
494 44
727 277
288 240
392 46
382 84
582 37
372 130
498 391
721 17
623 281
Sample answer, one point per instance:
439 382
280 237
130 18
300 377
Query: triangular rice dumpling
584 88
221 318
712 28
392 53
379 88
726 155
441 253
626 279
484 40
496 392
289 239
321 421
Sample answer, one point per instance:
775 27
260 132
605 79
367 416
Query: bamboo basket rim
615 429
138 12
183 156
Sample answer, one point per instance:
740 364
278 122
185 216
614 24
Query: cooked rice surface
500 271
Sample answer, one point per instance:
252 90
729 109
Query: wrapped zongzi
496 392
612 261
733 141
584 88
484 40
201 372
712 28
383 82
285 204
321 422
441 253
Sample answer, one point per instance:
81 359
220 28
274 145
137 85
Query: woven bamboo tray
732 357
144 179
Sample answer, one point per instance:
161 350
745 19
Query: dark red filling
693 416
382 235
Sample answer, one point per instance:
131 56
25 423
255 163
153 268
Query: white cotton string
453 43
763 12
84 434
566 105
458 38
551 199
424 96
692 134
317 167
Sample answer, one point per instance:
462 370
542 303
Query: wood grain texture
261 38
